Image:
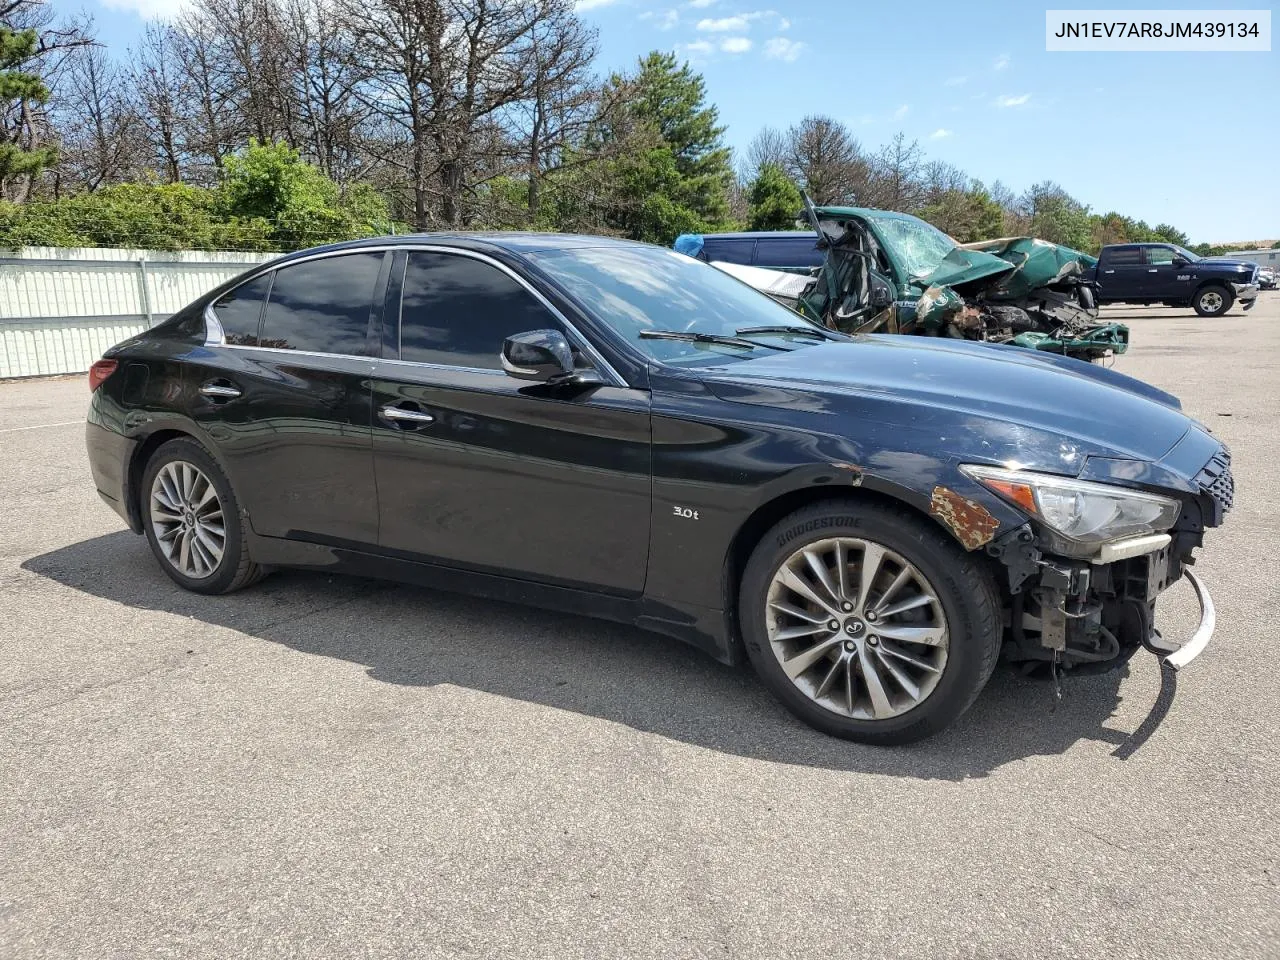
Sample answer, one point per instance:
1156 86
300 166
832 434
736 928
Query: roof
757 235
864 212
515 242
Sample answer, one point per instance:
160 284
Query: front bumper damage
1091 614
1246 293
1184 654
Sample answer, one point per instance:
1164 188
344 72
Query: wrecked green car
888 272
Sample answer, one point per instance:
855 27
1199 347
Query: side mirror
1180 262
543 356
880 295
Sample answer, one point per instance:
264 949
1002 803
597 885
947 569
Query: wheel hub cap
829 655
186 518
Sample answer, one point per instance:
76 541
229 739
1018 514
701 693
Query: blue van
792 250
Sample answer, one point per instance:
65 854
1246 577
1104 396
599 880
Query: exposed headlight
1083 512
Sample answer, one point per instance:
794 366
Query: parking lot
342 768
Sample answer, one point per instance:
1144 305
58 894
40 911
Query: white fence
61 308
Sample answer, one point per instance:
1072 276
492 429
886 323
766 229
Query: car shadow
420 637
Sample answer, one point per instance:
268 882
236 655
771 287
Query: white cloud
664 20
940 134
735 45
701 3
901 111
699 48
735 23
148 9
1002 61
780 48
955 81
1009 101
723 24
784 23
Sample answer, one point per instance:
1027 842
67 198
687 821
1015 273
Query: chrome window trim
216 337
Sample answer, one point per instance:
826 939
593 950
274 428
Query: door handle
219 391
1153 270
403 415
1108 271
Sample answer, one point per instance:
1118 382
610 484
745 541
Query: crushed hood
1035 263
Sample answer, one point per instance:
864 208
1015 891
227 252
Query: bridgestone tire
960 580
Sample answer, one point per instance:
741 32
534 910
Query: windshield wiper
784 328
690 336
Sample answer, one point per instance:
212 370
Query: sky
1191 139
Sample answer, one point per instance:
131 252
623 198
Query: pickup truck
1148 273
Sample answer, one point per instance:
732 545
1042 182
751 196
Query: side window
1125 256
1159 256
456 311
322 305
240 310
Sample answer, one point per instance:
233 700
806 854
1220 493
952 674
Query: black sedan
618 430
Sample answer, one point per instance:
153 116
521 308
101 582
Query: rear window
239 311
798 251
323 306
728 249
1123 255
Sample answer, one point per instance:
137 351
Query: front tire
192 520
867 623
1212 301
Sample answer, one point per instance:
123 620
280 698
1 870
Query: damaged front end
1089 611
893 273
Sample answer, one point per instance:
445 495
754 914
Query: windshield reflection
637 288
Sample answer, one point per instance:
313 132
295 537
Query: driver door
1163 280
479 470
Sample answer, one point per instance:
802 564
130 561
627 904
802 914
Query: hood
962 266
1036 263
1224 262
992 402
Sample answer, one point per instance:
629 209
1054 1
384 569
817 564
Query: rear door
285 400
1123 274
478 470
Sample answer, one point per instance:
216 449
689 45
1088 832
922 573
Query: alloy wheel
857 628
186 517
1211 301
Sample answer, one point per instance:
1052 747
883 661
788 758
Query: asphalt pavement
326 767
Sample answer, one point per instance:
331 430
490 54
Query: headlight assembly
1085 513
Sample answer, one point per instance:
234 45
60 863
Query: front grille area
1216 481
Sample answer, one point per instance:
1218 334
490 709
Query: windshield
917 245
641 288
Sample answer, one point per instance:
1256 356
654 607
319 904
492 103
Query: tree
103 138
827 161
1056 216
775 200
967 214
668 170
22 156
272 183
769 147
896 182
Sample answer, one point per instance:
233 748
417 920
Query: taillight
99 372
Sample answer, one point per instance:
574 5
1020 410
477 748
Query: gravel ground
338 768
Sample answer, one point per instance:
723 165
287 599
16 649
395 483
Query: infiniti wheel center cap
853 627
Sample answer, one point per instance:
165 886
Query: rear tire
824 634
1212 301
192 520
